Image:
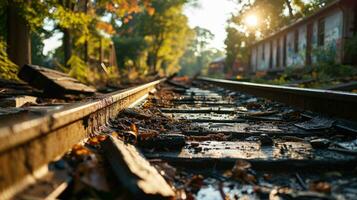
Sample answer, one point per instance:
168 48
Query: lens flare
251 20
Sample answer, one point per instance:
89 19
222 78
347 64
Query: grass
322 75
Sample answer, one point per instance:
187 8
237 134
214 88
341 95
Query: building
298 44
217 66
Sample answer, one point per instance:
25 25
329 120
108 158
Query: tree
233 44
198 56
18 19
79 20
18 37
165 31
160 37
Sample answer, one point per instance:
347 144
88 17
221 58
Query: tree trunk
86 42
155 54
86 57
67 45
67 37
101 53
290 8
18 36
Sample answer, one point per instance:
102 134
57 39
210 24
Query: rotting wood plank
217 120
17 101
199 110
280 165
208 103
52 81
134 171
164 141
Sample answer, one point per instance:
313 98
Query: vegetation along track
205 141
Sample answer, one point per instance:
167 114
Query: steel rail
28 145
330 103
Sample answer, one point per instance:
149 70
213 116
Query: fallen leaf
240 171
114 134
195 183
319 186
80 150
146 134
134 128
97 139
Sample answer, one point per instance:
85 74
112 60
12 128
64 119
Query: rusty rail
331 103
28 145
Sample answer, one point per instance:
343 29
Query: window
263 52
271 55
278 51
284 51
296 41
355 21
321 33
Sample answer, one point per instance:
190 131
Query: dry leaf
240 172
134 128
195 183
320 186
80 150
97 139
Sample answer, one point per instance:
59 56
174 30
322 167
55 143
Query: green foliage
34 12
192 64
237 47
324 55
326 67
333 70
129 49
198 56
351 49
154 42
151 34
322 74
78 68
8 70
69 19
311 7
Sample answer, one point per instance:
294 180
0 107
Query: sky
209 14
212 15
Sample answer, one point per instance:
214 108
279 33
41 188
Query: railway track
210 139
29 141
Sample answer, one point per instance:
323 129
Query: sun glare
251 21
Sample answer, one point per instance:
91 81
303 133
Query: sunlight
251 21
